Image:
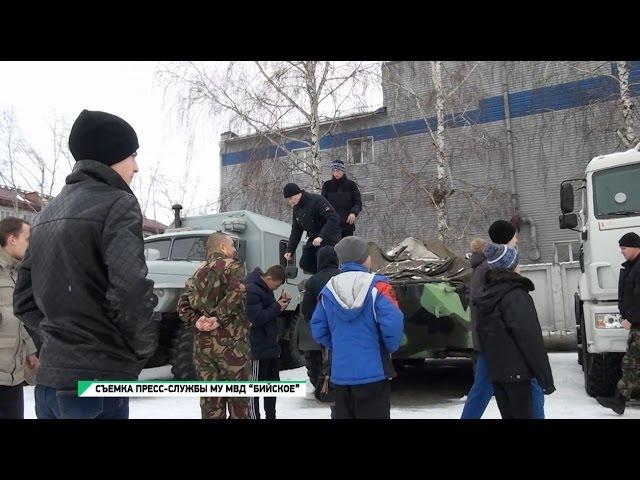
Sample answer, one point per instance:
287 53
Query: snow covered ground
436 391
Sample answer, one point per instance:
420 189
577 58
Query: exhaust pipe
177 221
534 250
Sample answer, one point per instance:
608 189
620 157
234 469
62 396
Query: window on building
193 249
368 197
157 249
303 161
360 150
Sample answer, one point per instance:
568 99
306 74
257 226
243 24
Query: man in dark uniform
315 215
343 194
629 306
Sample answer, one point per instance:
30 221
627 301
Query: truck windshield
616 191
157 249
193 249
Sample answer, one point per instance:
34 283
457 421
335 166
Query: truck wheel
166 329
580 355
182 365
579 328
601 370
313 360
290 356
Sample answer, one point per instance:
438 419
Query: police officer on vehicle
344 194
315 215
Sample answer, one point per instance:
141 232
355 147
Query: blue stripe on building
564 96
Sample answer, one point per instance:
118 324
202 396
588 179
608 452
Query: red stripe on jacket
387 290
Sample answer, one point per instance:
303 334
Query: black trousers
514 399
371 400
346 233
264 370
11 402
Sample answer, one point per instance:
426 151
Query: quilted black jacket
83 283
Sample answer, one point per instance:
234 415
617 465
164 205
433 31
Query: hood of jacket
498 284
476 259
350 290
255 279
327 258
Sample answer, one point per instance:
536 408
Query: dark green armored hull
437 322
432 285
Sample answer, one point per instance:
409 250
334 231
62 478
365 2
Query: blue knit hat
501 256
338 165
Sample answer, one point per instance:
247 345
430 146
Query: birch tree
291 104
436 99
629 133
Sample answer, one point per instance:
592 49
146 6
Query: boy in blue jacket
358 319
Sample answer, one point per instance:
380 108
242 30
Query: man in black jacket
629 307
315 215
315 358
83 282
510 335
263 311
344 195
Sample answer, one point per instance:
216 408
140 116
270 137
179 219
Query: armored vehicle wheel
182 365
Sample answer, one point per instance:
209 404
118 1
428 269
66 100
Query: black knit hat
630 239
290 189
501 231
102 137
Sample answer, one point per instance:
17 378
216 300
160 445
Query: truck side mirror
568 221
566 198
291 271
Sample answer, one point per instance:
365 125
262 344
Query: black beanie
501 231
102 137
290 189
630 239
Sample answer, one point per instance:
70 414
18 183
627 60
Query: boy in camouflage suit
213 302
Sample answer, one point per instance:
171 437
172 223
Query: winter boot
617 403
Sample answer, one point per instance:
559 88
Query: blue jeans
482 390
65 404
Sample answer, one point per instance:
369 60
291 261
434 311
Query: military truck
172 257
430 280
610 207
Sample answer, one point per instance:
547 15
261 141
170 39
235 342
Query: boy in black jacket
344 194
510 334
315 358
263 311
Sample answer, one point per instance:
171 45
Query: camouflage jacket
216 289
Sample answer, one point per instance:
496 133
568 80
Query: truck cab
609 208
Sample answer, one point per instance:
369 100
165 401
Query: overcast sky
38 90
128 89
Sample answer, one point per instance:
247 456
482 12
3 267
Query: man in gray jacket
17 350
